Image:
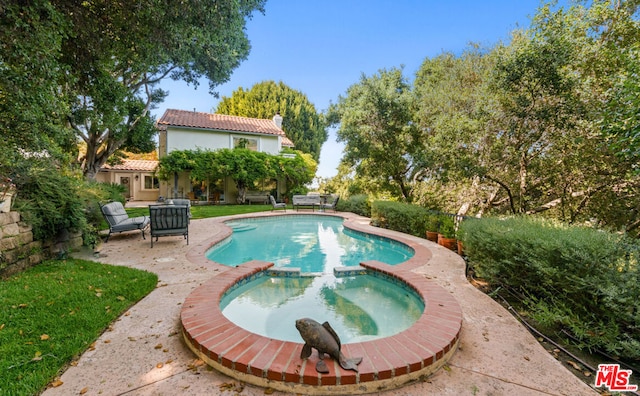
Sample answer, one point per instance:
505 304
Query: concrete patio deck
143 352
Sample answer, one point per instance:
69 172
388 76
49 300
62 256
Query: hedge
579 279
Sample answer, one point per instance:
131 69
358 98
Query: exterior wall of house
190 139
133 181
271 145
175 138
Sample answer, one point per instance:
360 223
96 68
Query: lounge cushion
119 220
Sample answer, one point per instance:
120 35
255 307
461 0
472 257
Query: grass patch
206 211
51 313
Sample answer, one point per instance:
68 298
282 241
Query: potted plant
447 232
432 225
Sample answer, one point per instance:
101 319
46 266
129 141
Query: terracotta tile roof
286 142
220 122
134 165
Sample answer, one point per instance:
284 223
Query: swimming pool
388 362
312 243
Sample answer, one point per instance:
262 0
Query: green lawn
51 313
205 211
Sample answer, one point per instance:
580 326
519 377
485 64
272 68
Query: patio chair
167 220
119 220
276 205
331 205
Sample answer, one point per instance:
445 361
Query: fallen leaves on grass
44 337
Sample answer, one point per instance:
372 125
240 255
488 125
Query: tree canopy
546 124
376 124
300 120
92 68
31 106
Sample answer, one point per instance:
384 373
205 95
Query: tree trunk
242 193
175 184
523 174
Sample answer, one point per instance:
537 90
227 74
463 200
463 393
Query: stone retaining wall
19 251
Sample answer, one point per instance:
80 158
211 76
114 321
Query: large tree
376 123
31 106
300 120
524 122
117 51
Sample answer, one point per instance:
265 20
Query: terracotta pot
460 248
449 243
432 236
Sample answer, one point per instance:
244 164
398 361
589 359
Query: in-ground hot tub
388 362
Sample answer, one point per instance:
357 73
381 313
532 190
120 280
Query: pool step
240 227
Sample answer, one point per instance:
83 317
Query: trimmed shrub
580 279
358 204
398 216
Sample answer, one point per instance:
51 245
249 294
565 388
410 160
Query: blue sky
322 47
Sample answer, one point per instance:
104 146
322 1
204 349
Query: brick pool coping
387 363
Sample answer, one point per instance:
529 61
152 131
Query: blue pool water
359 308
312 243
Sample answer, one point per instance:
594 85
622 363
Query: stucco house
136 176
190 130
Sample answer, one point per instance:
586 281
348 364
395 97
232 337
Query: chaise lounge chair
119 220
276 205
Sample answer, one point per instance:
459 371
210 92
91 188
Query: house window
151 183
244 142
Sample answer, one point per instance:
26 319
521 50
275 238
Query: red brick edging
387 362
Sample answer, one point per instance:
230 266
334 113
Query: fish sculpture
325 340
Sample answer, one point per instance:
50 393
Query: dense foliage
358 204
300 120
54 203
375 124
545 125
90 69
577 279
244 166
400 216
